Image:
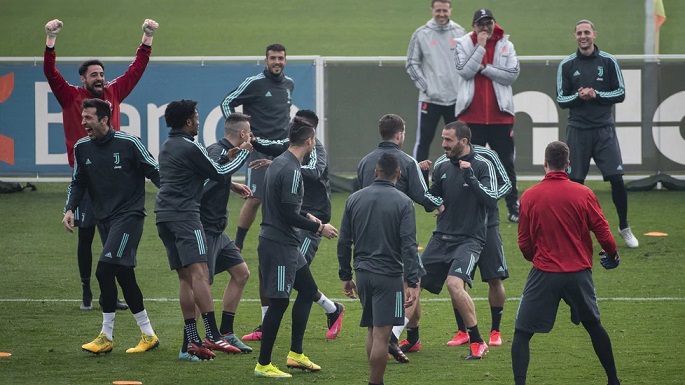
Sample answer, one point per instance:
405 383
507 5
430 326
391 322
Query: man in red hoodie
557 216
487 66
70 97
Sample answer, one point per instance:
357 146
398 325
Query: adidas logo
576 73
500 270
88 161
619 168
108 255
268 94
458 270
444 176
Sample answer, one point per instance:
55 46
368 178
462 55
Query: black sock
520 355
190 328
270 326
227 318
240 234
413 335
184 347
301 310
84 252
210 326
602 344
619 195
474 334
496 313
460 321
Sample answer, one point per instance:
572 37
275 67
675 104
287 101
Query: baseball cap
482 14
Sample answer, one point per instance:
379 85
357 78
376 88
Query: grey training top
380 223
411 181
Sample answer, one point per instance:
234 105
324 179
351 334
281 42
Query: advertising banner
31 130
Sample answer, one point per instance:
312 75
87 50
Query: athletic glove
53 27
609 262
149 27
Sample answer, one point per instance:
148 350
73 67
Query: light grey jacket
503 72
430 59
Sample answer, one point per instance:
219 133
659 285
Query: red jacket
556 218
70 97
484 108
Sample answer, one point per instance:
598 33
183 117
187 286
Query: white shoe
628 236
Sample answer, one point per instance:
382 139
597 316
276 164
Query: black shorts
455 256
492 264
254 178
382 299
120 238
185 242
84 216
540 299
600 144
310 244
278 264
222 254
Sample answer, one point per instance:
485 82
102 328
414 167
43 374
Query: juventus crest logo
600 71
116 158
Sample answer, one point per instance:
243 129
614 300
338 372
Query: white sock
327 305
144 323
397 330
108 325
264 309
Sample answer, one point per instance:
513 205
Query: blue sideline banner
31 130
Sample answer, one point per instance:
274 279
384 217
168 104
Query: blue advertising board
31 130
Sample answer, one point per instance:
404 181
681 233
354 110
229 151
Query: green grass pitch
41 325
641 304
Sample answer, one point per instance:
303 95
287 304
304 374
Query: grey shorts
222 254
278 264
84 216
120 238
455 256
541 296
600 144
382 299
492 264
310 244
185 242
254 178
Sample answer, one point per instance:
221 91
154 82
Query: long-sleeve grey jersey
317 186
184 166
267 98
113 170
213 207
467 195
380 224
503 182
282 214
411 181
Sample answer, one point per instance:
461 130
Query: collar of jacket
594 54
556 175
383 182
277 78
225 143
388 144
432 24
180 132
106 138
